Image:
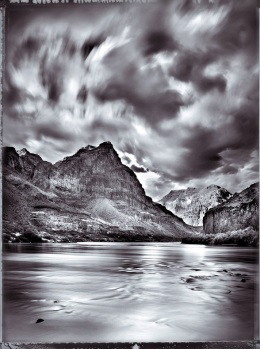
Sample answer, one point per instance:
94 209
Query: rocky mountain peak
191 204
213 186
22 160
88 147
106 147
106 144
23 152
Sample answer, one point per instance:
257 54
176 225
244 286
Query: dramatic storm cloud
173 85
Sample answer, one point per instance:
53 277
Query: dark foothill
55 302
238 274
225 270
39 320
243 280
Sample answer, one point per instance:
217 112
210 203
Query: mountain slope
191 204
90 195
238 213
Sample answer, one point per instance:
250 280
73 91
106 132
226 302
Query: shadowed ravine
96 292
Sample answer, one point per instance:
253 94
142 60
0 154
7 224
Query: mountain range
92 196
89 196
191 204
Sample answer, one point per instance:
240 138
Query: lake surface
128 292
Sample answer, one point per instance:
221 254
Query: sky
173 85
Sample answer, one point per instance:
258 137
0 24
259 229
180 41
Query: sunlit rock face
239 212
90 195
191 204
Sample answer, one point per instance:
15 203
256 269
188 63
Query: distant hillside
191 204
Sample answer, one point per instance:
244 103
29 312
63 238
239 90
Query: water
126 292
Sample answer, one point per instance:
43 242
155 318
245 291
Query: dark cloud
139 169
54 90
69 46
13 96
153 34
107 127
157 41
53 65
146 90
183 65
205 147
202 155
132 74
53 129
189 67
89 45
235 35
185 6
205 84
82 94
229 169
29 47
227 26
239 30
246 128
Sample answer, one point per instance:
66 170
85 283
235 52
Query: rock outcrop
238 213
89 196
191 204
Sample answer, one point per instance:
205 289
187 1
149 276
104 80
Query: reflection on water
125 292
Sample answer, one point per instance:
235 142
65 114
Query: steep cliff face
191 204
90 195
92 173
239 212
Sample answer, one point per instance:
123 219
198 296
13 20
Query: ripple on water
103 295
